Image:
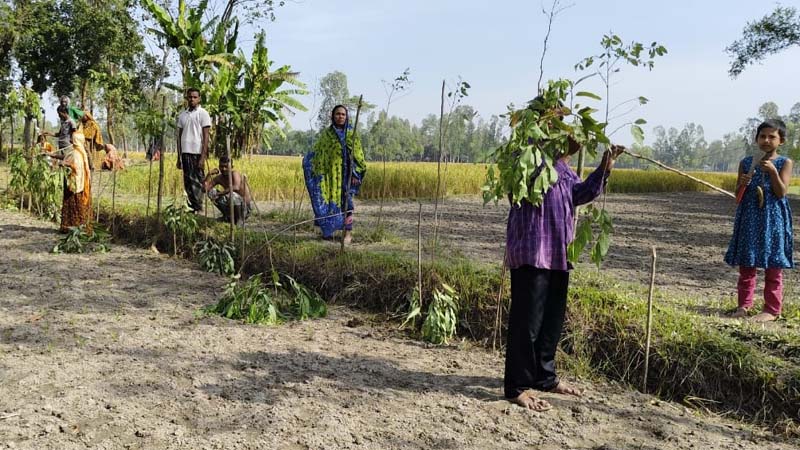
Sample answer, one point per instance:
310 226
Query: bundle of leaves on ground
272 303
77 240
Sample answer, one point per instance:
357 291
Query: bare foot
348 237
529 401
764 317
565 389
740 313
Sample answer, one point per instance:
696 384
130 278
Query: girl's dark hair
776 124
62 109
333 111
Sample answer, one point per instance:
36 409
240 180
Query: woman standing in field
337 156
762 229
76 209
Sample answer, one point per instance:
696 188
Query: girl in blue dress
762 230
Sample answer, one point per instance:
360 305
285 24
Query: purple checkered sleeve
538 236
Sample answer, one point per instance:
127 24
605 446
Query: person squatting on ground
326 169
76 209
194 125
112 160
536 243
242 200
762 228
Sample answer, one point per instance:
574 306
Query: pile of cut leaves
276 301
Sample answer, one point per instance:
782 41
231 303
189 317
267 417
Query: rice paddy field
278 178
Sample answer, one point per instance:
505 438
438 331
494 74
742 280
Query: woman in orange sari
76 209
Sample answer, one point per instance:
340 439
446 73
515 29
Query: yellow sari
76 210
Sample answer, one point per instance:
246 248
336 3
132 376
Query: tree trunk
84 84
110 122
26 133
124 145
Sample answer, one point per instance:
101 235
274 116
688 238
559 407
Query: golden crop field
280 178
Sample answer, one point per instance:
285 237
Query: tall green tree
774 32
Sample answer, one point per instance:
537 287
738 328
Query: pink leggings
773 289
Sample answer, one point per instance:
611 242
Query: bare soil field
108 351
690 231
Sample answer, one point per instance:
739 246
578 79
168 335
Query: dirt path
107 352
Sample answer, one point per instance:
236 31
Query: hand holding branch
611 155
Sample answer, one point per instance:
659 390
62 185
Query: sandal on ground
764 317
740 313
528 400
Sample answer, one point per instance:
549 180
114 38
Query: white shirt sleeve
180 123
205 119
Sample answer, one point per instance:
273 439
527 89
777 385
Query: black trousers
538 306
193 180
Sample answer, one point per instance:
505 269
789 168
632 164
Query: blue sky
496 45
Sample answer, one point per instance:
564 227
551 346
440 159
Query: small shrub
182 222
216 257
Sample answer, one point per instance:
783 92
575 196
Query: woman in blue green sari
337 156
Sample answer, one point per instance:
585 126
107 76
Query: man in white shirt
194 125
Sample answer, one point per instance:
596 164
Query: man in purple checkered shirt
536 254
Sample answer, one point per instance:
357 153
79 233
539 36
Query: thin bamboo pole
649 320
498 316
664 166
419 254
113 201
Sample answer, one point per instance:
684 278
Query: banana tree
186 33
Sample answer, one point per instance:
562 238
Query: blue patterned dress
328 211
762 237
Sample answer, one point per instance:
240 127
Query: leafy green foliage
77 240
596 228
182 222
774 32
36 177
255 301
306 303
216 257
540 135
440 323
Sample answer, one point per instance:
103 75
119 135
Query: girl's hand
767 166
744 179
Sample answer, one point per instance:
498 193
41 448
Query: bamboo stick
649 320
498 314
663 166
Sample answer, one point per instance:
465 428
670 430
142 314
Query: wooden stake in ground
230 182
663 166
99 192
498 316
438 171
419 254
348 179
113 200
149 191
649 320
160 174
